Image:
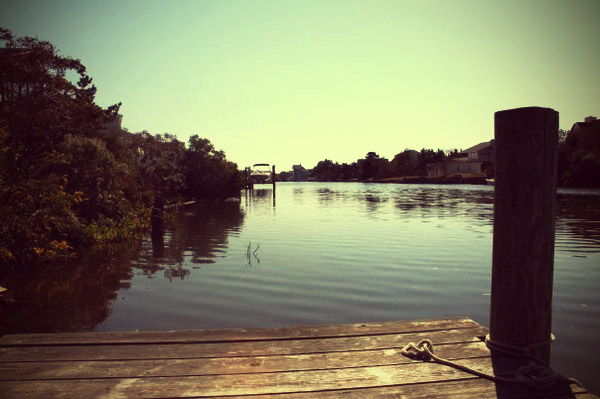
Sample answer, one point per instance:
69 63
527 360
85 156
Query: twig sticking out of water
250 254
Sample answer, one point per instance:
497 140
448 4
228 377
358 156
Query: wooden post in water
248 184
273 181
157 218
526 142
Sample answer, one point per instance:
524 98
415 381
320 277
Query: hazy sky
290 82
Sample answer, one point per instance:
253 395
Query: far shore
454 179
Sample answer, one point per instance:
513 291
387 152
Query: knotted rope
535 375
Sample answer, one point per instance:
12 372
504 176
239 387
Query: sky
295 82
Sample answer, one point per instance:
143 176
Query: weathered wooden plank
462 389
232 349
458 389
230 365
236 334
243 384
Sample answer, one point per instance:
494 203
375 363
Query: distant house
477 160
115 124
299 173
590 123
482 152
19 73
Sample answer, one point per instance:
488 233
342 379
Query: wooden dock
343 361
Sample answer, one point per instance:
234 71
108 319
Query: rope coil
534 375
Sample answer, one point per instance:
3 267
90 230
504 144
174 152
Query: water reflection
158 246
74 297
259 197
198 236
425 201
324 194
176 272
78 297
578 223
373 200
446 202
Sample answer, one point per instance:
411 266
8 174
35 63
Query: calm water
325 253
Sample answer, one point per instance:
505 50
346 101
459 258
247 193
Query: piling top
524 109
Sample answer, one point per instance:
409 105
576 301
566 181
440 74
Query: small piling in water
523 243
248 183
157 218
273 182
273 177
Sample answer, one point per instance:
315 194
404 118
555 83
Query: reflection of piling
157 218
524 210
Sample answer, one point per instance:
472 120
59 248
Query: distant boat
260 173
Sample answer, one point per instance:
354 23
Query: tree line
578 161
67 179
579 156
373 167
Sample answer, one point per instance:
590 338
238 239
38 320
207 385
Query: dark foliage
579 156
69 180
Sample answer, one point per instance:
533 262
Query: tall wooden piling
524 211
273 181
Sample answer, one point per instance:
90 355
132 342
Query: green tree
325 170
43 116
97 177
373 166
404 163
161 161
579 156
208 172
428 156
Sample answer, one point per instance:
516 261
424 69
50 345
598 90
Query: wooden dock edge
328 361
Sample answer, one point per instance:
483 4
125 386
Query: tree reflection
446 202
176 272
197 237
373 200
68 297
78 297
578 216
259 198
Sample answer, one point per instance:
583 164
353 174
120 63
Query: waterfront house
477 160
299 173
590 124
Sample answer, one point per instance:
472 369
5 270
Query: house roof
298 167
479 147
589 124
